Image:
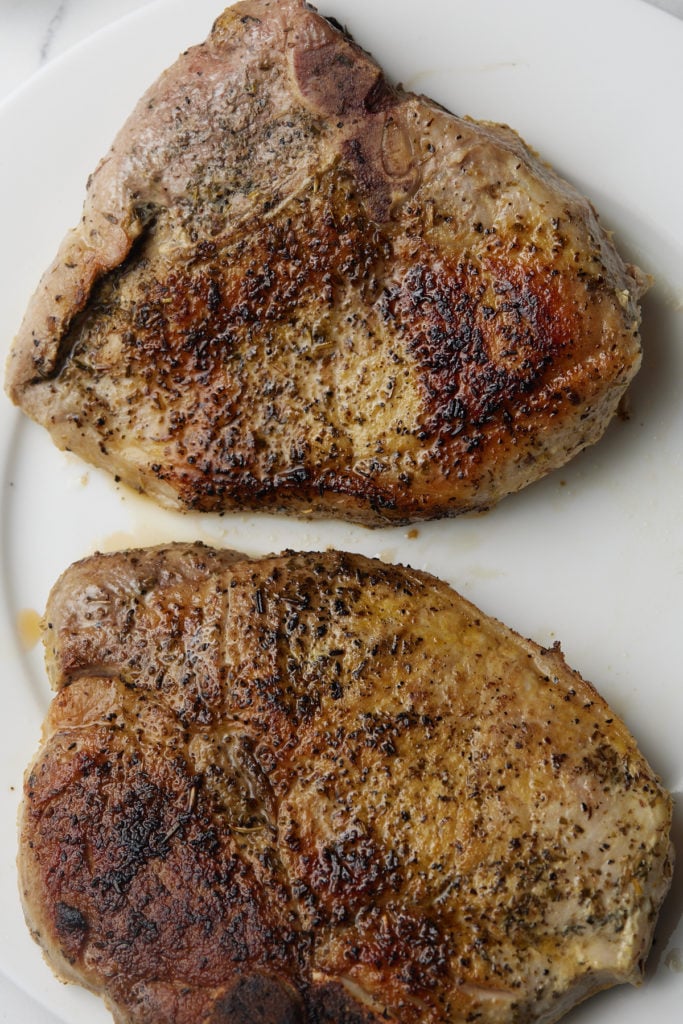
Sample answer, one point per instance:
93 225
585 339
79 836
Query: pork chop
317 788
297 287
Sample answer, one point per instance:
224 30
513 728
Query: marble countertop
32 33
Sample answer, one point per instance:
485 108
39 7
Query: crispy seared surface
317 788
296 287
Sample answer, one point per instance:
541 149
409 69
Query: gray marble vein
52 27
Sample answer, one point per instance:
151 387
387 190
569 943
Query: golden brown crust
296 287
329 785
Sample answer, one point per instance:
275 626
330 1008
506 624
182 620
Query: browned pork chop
297 288
317 788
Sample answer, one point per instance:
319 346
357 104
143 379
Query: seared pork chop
296 287
317 788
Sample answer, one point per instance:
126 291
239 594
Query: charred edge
335 23
209 489
68 342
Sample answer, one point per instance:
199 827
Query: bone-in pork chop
316 788
295 287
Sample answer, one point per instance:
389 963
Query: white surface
592 556
33 32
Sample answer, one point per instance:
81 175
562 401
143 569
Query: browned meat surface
315 788
296 287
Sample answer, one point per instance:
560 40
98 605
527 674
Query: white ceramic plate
592 556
